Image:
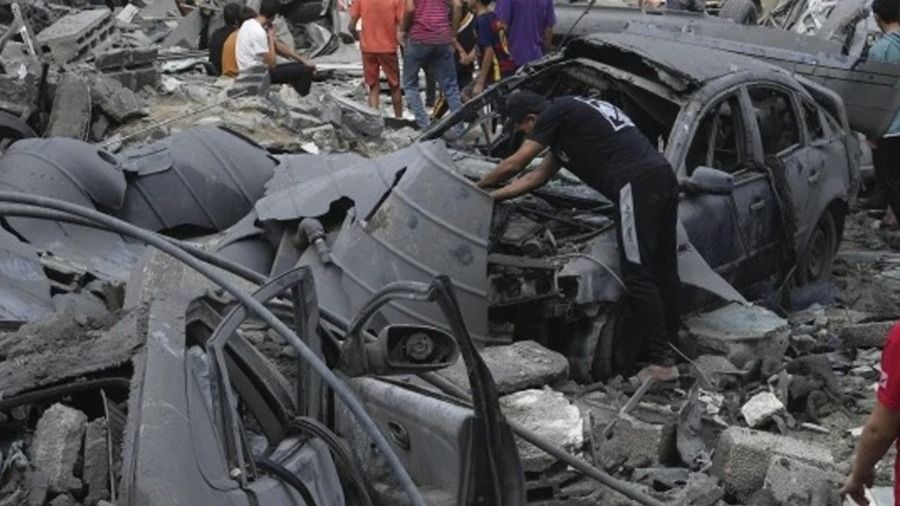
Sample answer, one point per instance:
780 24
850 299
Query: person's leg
887 170
391 67
444 65
413 58
430 88
296 74
370 77
639 226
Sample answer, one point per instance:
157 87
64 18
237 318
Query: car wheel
742 12
817 260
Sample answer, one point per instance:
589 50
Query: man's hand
856 485
477 88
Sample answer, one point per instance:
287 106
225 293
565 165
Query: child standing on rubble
496 60
886 150
381 34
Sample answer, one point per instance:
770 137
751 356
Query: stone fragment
700 490
803 343
63 500
741 333
57 441
795 482
550 415
136 79
324 136
865 335
96 462
297 121
359 118
115 100
742 456
71 114
521 365
713 371
117 59
761 408
250 82
38 486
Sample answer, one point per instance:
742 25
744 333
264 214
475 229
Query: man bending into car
600 144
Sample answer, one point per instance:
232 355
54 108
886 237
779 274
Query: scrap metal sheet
24 288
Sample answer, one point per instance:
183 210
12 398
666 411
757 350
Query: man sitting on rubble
232 16
601 145
257 46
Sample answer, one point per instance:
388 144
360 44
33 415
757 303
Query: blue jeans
439 61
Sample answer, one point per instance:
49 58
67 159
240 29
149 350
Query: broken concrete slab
740 332
550 415
742 457
795 482
38 485
761 408
521 365
633 443
713 371
57 442
96 461
73 35
187 33
359 118
865 335
116 100
71 114
63 500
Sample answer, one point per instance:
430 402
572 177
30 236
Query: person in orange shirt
229 54
381 34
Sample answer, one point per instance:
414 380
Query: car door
718 142
770 119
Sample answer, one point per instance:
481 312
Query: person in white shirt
256 45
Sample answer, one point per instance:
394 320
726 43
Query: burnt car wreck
197 320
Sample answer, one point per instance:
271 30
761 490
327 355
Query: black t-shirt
216 41
597 142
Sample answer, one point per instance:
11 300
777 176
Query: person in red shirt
882 427
378 43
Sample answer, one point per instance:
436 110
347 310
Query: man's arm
487 65
512 165
269 58
408 15
534 179
456 18
878 434
289 53
351 27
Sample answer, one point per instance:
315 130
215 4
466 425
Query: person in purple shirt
530 27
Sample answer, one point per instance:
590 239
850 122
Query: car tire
818 257
742 12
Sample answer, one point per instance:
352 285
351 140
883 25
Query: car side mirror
709 181
402 349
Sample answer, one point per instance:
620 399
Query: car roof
690 65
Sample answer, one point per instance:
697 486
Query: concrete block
73 35
57 442
125 58
865 335
38 486
251 82
741 333
298 121
634 443
136 79
359 118
96 462
63 500
795 482
761 408
550 415
742 457
521 365
71 114
115 100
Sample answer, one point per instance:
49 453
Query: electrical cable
285 475
341 389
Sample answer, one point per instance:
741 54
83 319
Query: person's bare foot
658 373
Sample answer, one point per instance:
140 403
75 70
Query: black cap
522 103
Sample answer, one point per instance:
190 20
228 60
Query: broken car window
813 121
775 118
716 142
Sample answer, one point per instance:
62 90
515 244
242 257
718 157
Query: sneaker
660 373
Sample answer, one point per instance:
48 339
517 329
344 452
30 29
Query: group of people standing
463 45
